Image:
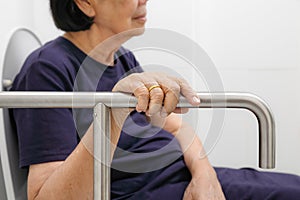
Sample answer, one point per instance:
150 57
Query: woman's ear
86 6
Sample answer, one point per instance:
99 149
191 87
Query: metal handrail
102 101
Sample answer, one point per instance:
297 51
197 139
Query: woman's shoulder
52 61
56 51
59 53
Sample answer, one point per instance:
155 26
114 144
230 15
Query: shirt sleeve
44 135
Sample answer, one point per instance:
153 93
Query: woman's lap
246 183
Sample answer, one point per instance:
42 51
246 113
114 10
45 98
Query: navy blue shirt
148 163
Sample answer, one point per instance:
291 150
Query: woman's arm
191 145
69 179
204 184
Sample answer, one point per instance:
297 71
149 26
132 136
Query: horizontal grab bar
120 100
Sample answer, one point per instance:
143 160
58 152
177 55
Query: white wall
13 14
255 46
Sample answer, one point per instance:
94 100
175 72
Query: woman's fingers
149 94
175 87
142 95
188 92
171 90
157 93
156 97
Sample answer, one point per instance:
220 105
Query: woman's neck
97 45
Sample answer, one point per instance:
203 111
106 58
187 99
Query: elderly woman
57 148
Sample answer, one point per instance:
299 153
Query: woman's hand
204 187
156 92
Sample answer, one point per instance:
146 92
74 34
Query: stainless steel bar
101 152
118 100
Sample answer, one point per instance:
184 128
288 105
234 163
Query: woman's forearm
192 148
73 178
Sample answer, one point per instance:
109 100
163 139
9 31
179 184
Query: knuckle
144 95
175 88
180 79
141 91
157 94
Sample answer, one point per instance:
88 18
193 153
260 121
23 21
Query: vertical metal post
101 152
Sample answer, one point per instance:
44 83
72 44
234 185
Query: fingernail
148 114
196 99
138 109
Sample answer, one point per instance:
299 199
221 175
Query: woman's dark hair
68 17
